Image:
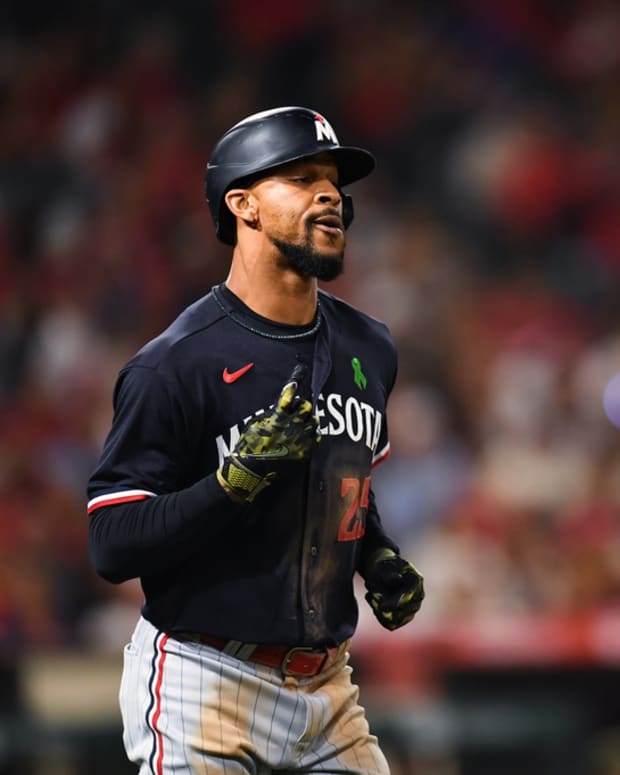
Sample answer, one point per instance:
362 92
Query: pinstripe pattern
191 710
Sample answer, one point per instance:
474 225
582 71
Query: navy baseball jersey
278 570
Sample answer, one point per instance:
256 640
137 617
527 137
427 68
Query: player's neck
285 298
258 278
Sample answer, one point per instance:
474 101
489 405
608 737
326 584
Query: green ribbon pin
358 375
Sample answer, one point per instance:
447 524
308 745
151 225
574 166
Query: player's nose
328 193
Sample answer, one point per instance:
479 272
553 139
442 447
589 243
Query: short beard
307 261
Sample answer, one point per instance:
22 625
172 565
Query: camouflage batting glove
287 432
395 588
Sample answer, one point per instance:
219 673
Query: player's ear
242 205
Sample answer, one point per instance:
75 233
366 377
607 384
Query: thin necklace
301 335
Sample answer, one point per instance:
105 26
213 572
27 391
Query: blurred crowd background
488 239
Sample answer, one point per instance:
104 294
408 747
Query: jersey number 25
353 522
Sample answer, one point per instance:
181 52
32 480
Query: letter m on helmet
324 129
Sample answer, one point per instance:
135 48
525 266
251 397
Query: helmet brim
353 164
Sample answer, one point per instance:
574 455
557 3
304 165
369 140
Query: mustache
331 214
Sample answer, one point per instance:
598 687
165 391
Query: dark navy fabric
279 570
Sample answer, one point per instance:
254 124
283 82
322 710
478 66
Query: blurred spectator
430 466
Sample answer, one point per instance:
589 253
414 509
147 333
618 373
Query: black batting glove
395 588
287 432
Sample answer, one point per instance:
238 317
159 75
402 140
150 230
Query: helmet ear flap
347 210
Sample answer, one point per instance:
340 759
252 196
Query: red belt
300 661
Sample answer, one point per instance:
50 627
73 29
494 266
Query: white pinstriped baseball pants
190 709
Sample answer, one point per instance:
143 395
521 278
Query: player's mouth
330 223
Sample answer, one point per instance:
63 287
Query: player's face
301 215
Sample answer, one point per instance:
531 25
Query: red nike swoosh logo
232 376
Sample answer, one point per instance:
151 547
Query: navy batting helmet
267 139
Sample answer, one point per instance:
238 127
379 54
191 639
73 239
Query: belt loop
232 647
238 649
246 651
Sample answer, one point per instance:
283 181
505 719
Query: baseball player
235 482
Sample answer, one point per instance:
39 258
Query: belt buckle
286 660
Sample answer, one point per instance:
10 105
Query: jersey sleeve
375 536
141 518
382 450
140 457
